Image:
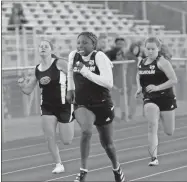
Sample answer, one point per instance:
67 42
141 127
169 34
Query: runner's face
84 45
151 50
45 48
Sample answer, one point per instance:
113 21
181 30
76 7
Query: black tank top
53 84
86 91
151 74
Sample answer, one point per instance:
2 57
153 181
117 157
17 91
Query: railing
20 53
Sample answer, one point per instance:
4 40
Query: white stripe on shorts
63 86
41 100
71 113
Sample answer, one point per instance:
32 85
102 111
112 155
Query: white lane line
155 174
94 144
123 129
105 167
95 134
74 148
92 156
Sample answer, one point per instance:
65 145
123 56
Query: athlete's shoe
81 176
154 162
58 169
119 175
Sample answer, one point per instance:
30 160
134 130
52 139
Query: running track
29 159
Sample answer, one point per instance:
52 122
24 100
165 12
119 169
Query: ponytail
165 52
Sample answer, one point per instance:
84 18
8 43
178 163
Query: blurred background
120 27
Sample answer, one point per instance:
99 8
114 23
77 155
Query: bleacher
65 17
53 18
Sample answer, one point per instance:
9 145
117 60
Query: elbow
175 81
109 85
26 92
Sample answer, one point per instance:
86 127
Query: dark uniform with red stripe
91 95
53 84
150 74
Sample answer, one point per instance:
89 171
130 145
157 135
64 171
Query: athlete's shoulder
31 71
61 64
101 55
162 61
140 60
102 58
36 67
72 54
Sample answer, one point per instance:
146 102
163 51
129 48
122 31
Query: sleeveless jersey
53 84
86 91
151 74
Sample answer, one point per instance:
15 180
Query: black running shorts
62 112
104 112
164 103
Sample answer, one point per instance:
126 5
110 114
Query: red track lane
119 133
29 164
124 131
176 174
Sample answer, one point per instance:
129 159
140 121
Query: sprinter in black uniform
155 79
90 78
51 74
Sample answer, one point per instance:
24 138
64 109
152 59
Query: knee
108 146
49 136
169 133
66 141
151 110
86 134
152 127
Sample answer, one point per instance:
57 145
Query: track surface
29 159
